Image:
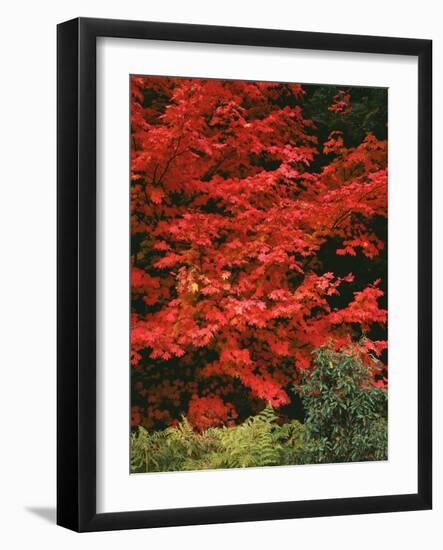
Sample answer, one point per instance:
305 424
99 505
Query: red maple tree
230 211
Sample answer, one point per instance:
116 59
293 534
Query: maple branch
208 175
154 175
345 214
175 155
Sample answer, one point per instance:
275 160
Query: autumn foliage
258 235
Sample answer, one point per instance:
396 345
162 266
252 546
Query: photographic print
258 274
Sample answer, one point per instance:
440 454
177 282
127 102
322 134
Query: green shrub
345 414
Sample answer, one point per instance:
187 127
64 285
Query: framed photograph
244 274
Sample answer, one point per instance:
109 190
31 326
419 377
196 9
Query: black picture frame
76 265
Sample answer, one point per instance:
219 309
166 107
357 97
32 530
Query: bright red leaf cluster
229 215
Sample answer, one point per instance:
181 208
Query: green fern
259 441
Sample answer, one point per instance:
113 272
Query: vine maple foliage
234 199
